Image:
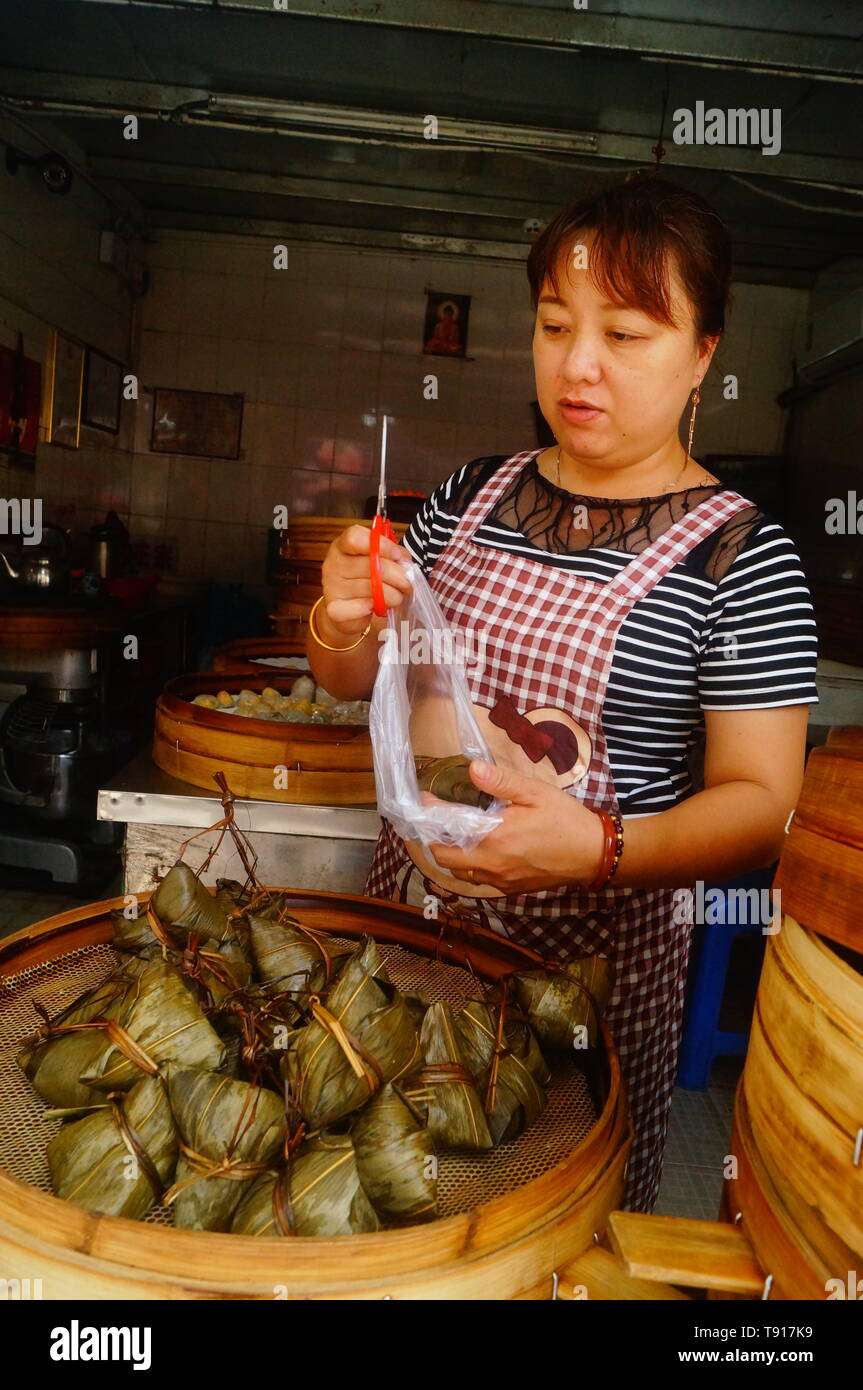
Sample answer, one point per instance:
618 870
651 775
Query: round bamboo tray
327 765
250 655
308 540
290 627
752 1198
802 1089
541 1210
820 873
310 537
40 629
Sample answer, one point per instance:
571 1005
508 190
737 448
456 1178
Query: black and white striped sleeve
759 644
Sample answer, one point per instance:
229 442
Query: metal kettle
43 570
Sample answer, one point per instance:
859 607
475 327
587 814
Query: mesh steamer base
465 1180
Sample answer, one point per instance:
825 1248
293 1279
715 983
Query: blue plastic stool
711 950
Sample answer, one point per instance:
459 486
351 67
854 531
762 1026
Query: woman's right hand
347 582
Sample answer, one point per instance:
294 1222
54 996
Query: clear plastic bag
421 709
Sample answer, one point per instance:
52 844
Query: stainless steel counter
144 795
326 847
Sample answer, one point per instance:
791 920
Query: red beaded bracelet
611 851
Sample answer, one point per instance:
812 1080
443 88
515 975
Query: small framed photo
445 324
103 382
205 423
65 384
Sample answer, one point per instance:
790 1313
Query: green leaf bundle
230 1133
119 1159
363 1037
396 1158
326 1195
444 1089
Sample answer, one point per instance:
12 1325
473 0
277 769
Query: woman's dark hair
641 225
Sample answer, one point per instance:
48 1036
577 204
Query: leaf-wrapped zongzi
164 1021
55 1063
512 1088
560 1003
449 780
288 955
184 906
361 1037
230 1133
326 1195
444 1088
119 1159
396 1158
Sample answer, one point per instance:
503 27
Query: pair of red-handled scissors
381 526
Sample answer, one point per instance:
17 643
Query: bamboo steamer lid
248 655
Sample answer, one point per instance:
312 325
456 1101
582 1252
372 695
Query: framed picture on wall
64 384
103 382
445 327
206 423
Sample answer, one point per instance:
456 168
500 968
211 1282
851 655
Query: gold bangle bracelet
320 641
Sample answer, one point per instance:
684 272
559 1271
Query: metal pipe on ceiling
817 57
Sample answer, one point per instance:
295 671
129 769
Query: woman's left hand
548 839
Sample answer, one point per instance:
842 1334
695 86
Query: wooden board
674 1250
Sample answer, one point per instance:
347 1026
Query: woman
619 589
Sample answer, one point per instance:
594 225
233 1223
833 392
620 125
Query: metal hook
768 1285
555 1281
788 822
858 1147
738 1218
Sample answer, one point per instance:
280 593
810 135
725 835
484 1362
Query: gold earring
696 397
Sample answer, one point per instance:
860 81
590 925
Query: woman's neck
671 469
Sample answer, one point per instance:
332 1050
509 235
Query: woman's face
635 373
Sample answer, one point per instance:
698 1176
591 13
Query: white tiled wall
50 275
323 348
320 351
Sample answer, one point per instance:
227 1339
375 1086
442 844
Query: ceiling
310 122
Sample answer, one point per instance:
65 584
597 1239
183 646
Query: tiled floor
699 1132
699 1137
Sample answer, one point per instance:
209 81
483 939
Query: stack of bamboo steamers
303 551
794 1182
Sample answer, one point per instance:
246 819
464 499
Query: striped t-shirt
709 636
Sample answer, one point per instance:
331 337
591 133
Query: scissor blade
382 485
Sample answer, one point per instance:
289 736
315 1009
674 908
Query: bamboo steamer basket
308 540
801 1085
41 629
290 627
327 765
310 537
249 655
820 872
752 1199
538 1212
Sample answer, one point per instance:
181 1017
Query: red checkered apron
547 640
